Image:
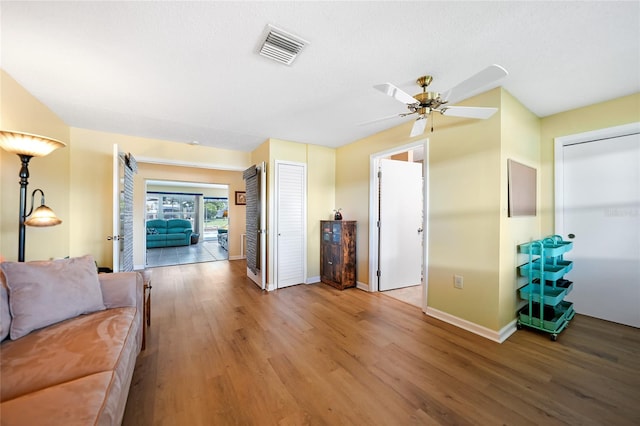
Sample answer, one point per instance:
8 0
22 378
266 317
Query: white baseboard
362 286
313 280
236 257
138 267
496 336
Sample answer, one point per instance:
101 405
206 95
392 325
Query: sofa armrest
121 289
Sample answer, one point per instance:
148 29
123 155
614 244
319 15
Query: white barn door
291 224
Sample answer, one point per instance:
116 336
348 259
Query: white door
400 213
601 214
118 206
291 223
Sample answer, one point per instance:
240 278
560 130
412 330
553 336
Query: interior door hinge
378 273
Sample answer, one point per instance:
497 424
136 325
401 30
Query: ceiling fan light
419 126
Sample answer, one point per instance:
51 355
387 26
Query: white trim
313 280
362 286
243 238
426 193
558 159
138 267
487 333
115 209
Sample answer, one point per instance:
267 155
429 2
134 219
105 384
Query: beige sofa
77 368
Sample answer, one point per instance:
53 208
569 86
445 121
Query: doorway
597 207
204 207
399 243
216 217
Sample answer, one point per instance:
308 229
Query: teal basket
554 319
552 296
551 272
553 246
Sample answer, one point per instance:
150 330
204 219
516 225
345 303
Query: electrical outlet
458 281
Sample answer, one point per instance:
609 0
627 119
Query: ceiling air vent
281 46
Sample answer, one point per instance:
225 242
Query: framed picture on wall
241 198
522 189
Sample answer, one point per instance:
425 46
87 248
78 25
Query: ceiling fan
425 103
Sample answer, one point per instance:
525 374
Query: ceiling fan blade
419 126
384 118
469 112
388 117
479 81
391 90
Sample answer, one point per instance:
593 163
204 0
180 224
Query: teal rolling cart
546 287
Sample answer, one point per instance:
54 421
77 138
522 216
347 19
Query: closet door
601 203
291 224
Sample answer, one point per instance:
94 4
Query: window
216 211
171 206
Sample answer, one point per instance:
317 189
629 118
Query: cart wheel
518 325
554 337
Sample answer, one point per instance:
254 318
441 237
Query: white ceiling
186 71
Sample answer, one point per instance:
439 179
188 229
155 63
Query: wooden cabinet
338 253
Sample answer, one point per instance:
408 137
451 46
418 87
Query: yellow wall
520 136
321 171
20 111
93 155
612 113
464 216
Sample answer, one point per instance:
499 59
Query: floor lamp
27 146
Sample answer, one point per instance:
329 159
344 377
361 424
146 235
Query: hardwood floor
222 352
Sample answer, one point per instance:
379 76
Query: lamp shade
43 216
28 144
